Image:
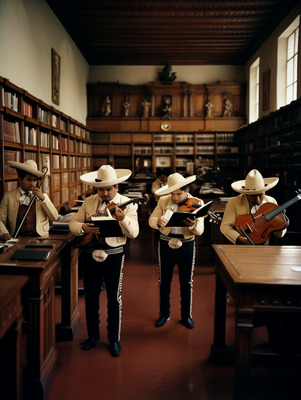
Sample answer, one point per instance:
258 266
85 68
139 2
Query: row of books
11 131
9 100
184 150
27 109
73 162
182 162
204 162
11 155
30 136
10 185
164 137
184 138
44 116
208 149
142 150
225 136
221 149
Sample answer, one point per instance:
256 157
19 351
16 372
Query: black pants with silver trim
184 257
94 273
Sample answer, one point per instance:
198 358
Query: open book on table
108 226
177 218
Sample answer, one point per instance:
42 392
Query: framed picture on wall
266 90
56 71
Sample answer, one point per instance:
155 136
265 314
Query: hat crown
175 179
254 180
32 164
106 173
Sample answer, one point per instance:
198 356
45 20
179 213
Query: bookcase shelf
31 129
145 141
149 151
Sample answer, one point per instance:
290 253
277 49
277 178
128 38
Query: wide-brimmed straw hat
106 176
254 183
174 181
29 166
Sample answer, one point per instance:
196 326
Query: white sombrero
29 166
254 183
106 176
174 181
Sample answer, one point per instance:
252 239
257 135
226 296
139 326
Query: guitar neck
278 210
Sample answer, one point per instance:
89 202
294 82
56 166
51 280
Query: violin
111 207
257 227
192 203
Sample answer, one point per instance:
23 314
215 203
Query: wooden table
39 307
258 279
70 317
10 335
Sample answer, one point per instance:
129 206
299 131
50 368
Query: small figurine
209 107
106 107
146 106
227 108
126 106
166 107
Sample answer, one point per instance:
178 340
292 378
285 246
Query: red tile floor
168 363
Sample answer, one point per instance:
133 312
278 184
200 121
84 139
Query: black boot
90 342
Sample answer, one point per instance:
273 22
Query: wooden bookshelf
31 129
187 136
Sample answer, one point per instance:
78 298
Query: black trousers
184 257
94 273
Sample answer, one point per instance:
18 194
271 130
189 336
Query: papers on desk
7 244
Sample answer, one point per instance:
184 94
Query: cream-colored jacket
239 206
45 213
165 203
129 226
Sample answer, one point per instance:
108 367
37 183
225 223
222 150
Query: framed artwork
266 90
56 71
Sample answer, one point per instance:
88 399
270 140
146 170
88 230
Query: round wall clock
165 126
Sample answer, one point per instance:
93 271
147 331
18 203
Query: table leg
70 319
243 352
219 317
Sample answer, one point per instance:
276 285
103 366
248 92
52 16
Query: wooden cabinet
31 129
147 139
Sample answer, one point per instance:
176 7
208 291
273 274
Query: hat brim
269 183
26 168
89 178
168 189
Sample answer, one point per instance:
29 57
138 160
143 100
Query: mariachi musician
103 257
26 211
252 196
281 328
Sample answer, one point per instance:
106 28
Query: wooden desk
10 335
258 279
39 307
